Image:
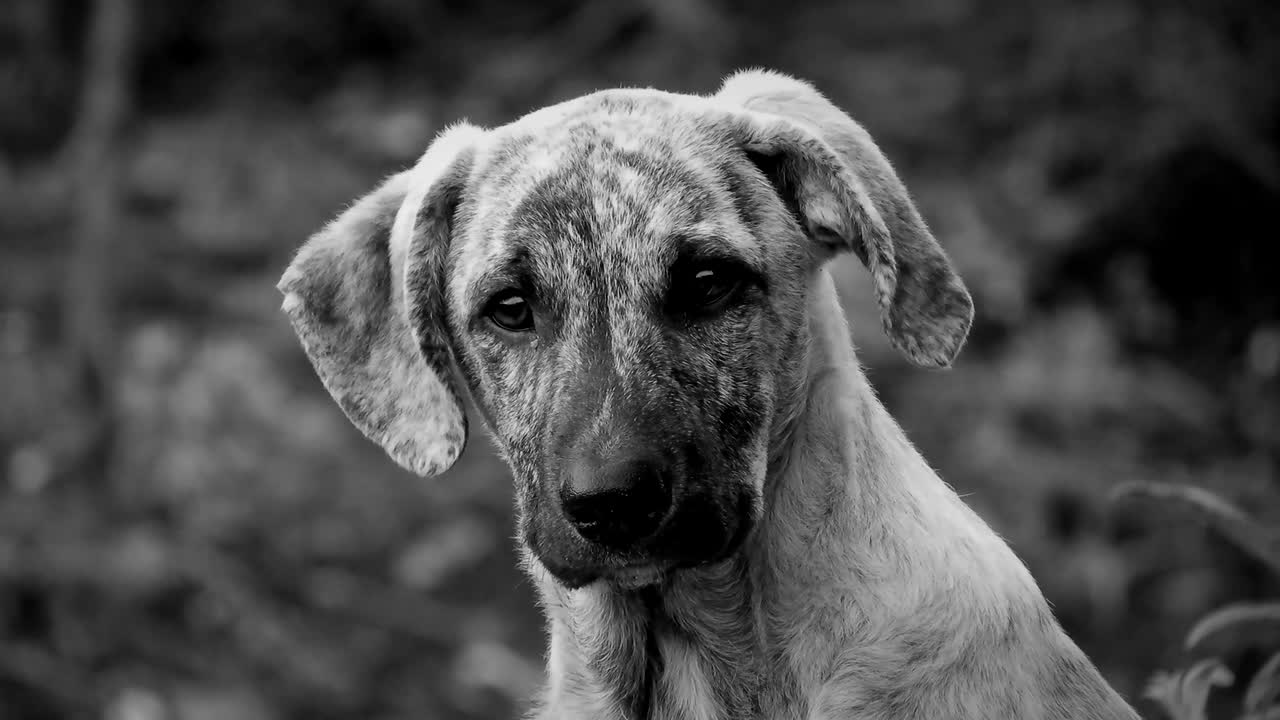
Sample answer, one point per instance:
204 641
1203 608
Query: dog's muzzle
636 513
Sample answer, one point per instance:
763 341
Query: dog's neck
855 522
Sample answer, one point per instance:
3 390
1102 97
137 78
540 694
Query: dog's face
624 287
621 282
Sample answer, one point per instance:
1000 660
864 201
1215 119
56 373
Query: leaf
1264 688
1248 621
1252 537
1183 695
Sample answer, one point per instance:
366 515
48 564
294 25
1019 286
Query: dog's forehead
639 121
632 146
613 171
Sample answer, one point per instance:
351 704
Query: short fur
812 565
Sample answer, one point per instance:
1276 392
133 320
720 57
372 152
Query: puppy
721 519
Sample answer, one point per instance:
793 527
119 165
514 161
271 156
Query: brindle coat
813 565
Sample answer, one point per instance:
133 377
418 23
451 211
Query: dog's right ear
345 295
849 197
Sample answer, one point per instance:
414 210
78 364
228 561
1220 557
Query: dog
721 519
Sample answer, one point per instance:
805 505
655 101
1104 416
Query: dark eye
510 311
707 285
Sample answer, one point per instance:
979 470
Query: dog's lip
637 576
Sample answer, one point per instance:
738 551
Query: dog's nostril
621 509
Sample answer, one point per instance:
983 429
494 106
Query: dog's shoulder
1020 664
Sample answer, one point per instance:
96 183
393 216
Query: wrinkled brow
510 270
528 267
712 246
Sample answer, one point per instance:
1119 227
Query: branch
94 164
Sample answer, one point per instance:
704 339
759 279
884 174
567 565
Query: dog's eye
510 311
707 285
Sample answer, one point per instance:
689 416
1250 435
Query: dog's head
620 282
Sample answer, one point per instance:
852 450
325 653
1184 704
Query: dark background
190 529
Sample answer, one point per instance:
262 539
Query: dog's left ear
848 197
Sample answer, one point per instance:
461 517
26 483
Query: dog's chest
684 686
718 674
694 652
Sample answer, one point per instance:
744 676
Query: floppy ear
849 197
345 295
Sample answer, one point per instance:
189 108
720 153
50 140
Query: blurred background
190 529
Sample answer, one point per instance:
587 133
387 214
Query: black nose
616 505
